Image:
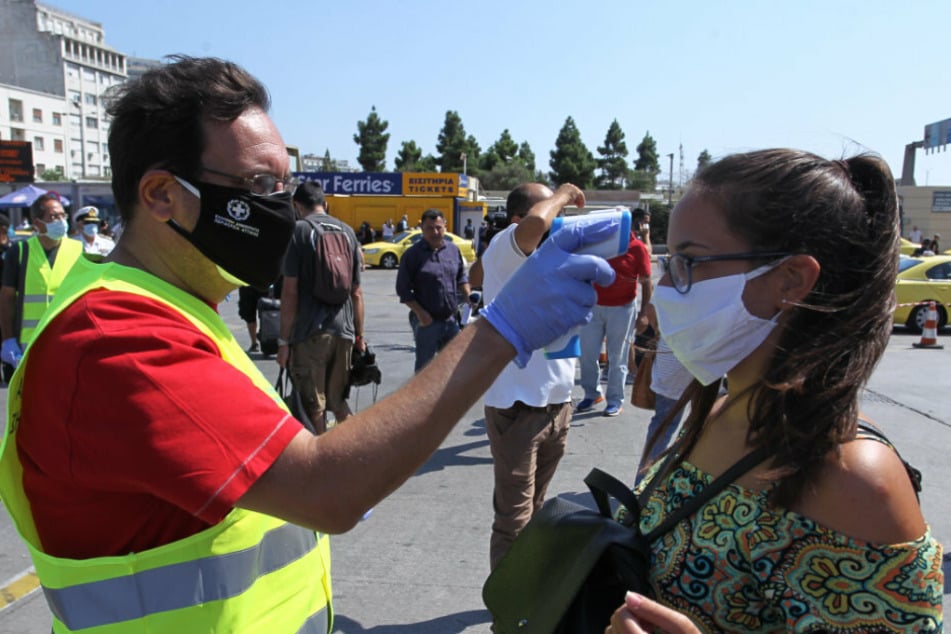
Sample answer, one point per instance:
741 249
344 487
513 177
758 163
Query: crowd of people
198 464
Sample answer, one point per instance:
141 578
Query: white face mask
56 230
91 230
709 328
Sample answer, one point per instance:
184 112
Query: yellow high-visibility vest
41 281
251 573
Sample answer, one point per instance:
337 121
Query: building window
17 134
57 118
90 99
40 168
92 122
38 144
16 110
58 145
37 115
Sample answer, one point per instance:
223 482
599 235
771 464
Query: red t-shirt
134 432
628 267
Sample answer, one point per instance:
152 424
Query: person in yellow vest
191 500
32 271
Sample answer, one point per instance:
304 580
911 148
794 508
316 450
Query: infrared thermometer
568 346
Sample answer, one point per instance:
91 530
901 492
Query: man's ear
799 274
160 194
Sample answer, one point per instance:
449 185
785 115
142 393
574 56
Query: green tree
408 156
703 160
453 143
428 163
505 176
647 160
526 157
502 151
641 181
473 152
571 161
372 138
49 175
327 164
613 161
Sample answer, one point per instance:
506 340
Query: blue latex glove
552 292
10 352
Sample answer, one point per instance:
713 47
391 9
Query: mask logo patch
239 210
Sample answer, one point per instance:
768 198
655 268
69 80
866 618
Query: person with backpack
321 307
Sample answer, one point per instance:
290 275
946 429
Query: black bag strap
24 260
914 474
602 485
689 507
281 385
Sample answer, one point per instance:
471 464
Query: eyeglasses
680 267
260 184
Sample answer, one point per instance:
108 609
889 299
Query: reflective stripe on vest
42 281
250 573
180 585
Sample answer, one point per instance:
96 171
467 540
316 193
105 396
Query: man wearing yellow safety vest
32 271
191 500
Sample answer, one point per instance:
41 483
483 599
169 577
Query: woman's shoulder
864 491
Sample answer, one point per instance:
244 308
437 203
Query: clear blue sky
833 77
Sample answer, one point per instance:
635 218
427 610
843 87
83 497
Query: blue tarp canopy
24 197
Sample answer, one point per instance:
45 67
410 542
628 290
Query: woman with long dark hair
781 279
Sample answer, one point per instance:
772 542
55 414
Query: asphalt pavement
416 565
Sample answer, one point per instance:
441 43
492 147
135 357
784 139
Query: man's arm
356 465
289 301
8 307
356 296
537 221
643 315
8 291
327 482
642 268
462 278
476 274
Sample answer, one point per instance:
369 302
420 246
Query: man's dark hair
640 214
310 195
519 201
432 214
158 120
36 209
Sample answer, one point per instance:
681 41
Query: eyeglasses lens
679 271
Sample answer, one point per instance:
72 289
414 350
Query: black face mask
244 234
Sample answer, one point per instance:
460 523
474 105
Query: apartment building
47 51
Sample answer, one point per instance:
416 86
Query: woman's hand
640 615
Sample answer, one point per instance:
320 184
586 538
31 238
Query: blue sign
937 135
356 183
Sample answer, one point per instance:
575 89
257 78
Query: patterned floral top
745 567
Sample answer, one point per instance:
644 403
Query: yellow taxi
908 247
388 253
922 279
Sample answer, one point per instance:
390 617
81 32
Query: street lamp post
670 190
464 164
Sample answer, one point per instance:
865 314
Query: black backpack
333 262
